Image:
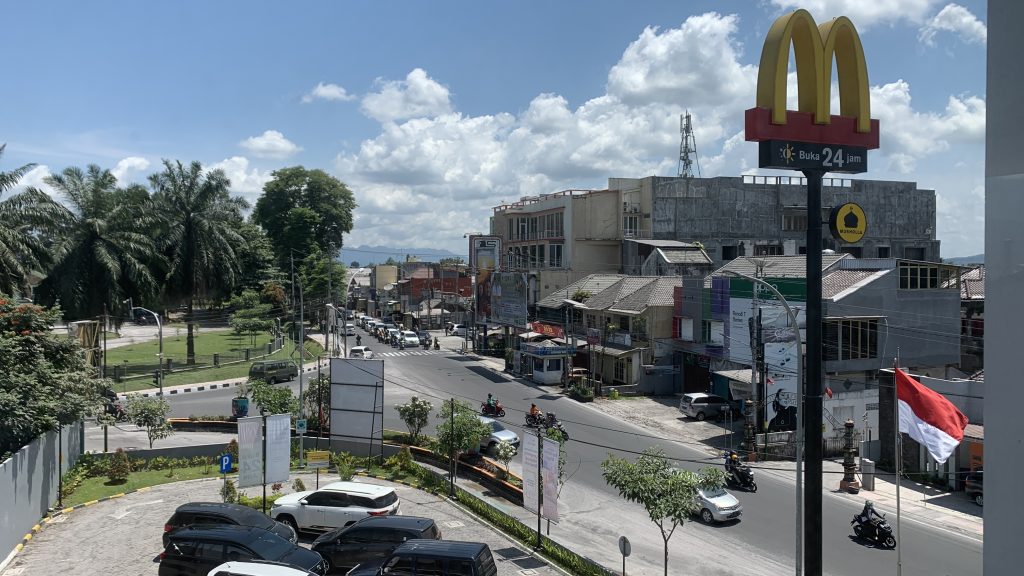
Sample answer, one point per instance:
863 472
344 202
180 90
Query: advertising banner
483 259
550 476
531 461
250 451
547 329
318 459
279 436
508 299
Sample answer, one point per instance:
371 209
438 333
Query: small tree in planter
151 414
415 414
504 452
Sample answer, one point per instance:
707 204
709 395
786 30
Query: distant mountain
966 260
368 255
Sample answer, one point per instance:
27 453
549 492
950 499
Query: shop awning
530 335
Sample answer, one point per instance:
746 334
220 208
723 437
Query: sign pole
540 482
812 382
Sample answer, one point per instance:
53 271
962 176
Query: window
213 551
540 256
913 253
429 567
624 323
914 276
511 229
556 255
319 499
713 332
851 339
400 566
623 370
728 253
460 568
883 251
767 250
236 553
630 225
794 219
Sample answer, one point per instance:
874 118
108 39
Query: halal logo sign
848 223
811 137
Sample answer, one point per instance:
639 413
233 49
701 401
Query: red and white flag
929 417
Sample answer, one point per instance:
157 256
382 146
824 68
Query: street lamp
799 409
160 337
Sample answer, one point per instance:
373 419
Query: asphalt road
593 516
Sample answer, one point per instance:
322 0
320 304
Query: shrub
228 492
298 485
232 448
276 487
345 464
401 461
118 467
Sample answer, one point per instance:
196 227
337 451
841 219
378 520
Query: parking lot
121 537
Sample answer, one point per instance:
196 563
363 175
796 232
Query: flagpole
898 457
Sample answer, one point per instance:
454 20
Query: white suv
252 568
336 505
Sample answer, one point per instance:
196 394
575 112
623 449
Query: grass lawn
208 343
96 488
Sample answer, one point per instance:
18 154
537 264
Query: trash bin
867 474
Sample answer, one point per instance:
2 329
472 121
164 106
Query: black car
372 538
441 557
219 513
194 551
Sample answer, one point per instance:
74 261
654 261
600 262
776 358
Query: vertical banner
250 451
509 292
531 463
550 475
483 258
279 436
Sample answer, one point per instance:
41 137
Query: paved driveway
121 537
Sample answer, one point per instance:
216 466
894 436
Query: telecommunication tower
687 148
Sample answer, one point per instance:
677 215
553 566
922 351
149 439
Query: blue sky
434 112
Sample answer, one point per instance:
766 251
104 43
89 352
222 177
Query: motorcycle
437 344
556 426
497 410
533 421
876 530
742 477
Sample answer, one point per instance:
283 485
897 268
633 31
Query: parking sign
300 426
225 463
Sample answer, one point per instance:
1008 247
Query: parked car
974 486
360 352
335 505
498 433
258 568
349 330
578 376
701 406
718 505
273 371
433 557
393 334
217 513
460 330
194 551
410 338
371 539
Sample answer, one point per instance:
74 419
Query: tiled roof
594 283
609 297
836 282
972 284
689 256
655 293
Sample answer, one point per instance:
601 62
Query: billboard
484 254
508 299
357 404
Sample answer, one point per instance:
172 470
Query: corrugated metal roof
661 243
690 256
975 432
778 266
593 283
836 282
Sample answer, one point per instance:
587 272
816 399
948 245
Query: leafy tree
504 453
667 493
150 413
317 398
23 252
44 380
271 399
314 271
415 414
199 238
451 262
104 246
459 430
251 316
256 260
302 208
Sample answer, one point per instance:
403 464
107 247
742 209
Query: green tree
451 262
316 273
667 493
199 238
316 398
251 316
415 414
256 260
24 220
150 412
504 452
44 380
271 399
302 208
459 430
104 248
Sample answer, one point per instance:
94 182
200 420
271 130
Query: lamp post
799 410
160 338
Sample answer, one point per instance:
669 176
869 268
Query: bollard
247 351
270 348
216 359
169 362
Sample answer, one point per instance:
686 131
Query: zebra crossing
408 353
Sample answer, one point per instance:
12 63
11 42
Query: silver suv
700 405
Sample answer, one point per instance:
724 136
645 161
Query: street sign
593 336
225 463
624 546
794 155
318 458
848 223
300 426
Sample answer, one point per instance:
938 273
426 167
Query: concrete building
767 215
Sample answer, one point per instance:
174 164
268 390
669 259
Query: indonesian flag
929 417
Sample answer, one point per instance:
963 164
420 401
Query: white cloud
270 144
958 20
331 92
244 181
863 13
418 96
34 178
126 165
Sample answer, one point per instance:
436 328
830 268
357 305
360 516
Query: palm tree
199 239
104 250
22 218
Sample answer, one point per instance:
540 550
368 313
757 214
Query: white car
350 330
261 568
459 330
498 434
718 505
335 505
361 352
410 338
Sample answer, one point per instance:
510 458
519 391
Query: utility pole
812 382
761 368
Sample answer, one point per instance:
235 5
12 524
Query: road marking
454 524
126 510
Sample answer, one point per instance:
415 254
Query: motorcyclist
534 411
551 420
491 403
359 340
869 511
732 462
